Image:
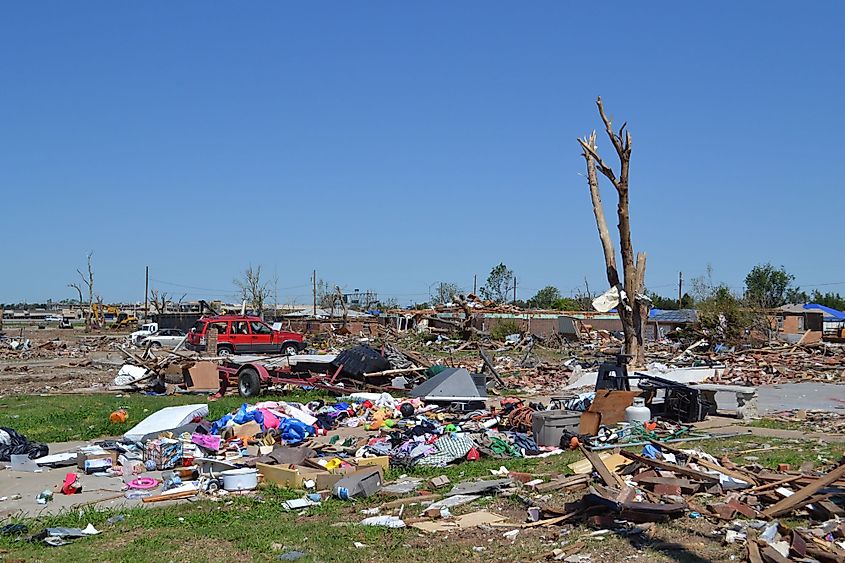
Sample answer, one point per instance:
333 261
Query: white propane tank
638 412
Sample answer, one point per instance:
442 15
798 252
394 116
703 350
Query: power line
230 290
191 286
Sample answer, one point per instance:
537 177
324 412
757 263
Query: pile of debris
622 491
811 420
153 371
820 362
21 347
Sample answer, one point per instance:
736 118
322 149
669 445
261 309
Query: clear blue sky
390 145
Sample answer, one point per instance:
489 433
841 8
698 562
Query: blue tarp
829 313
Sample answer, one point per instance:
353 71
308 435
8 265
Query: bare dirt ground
59 361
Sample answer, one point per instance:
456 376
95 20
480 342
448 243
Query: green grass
247 528
775 424
243 528
793 452
257 528
60 418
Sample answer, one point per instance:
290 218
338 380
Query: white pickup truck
145 330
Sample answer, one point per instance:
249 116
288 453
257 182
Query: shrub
504 327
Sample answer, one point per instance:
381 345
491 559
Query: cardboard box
82 457
256 451
202 376
294 476
382 461
362 483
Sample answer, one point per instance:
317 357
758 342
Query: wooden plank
754 552
393 372
774 485
741 475
173 496
555 520
684 484
416 358
410 500
679 469
610 478
773 555
589 423
570 481
787 504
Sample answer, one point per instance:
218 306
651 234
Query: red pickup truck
244 334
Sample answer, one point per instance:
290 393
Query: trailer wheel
249 383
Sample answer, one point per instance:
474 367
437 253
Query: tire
249 383
290 349
224 351
155 344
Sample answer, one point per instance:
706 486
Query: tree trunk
632 312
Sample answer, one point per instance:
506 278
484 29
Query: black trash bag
19 445
359 360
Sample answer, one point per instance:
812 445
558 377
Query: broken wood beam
787 504
681 470
563 483
610 478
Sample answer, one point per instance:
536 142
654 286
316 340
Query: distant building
663 321
792 322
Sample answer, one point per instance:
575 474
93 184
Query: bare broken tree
159 300
88 282
81 303
340 299
253 290
632 310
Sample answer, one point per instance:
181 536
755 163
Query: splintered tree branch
598 210
641 256
590 150
622 144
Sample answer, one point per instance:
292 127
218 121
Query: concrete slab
102 492
788 396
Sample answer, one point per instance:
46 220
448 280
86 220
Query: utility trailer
252 374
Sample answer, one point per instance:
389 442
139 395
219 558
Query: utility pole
680 289
514 290
314 291
475 284
146 290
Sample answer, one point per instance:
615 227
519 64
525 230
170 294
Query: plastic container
638 412
244 479
549 426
